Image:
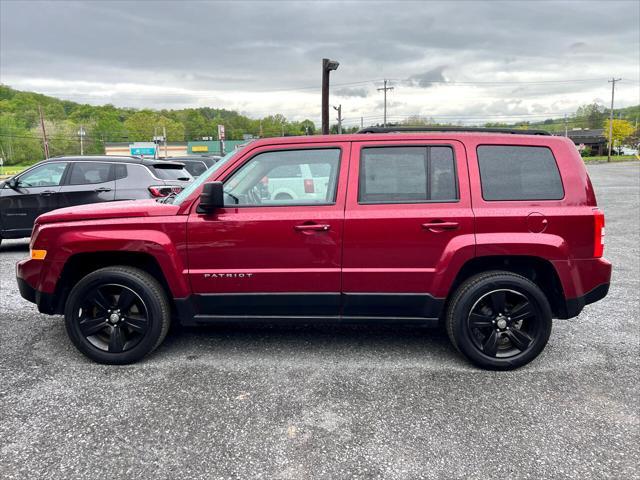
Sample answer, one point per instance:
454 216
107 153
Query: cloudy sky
465 61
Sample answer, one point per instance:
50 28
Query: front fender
165 242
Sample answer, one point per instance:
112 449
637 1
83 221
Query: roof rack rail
513 131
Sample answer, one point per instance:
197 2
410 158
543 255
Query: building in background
174 149
212 147
592 138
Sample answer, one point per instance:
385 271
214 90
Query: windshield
178 199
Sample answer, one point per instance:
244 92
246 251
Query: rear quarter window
518 173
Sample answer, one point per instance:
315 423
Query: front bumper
46 302
28 278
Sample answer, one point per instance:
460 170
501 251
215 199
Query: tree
622 129
143 125
590 116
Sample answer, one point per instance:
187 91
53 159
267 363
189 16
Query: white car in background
304 182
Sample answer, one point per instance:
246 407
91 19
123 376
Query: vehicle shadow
329 343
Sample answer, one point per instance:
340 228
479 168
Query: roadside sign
221 132
143 148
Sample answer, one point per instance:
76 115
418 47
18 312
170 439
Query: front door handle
313 227
102 189
46 193
440 226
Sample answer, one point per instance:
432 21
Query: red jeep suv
491 233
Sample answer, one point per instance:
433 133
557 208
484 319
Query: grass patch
11 170
614 158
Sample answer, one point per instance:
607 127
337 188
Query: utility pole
45 143
339 110
613 88
361 122
384 89
81 134
327 66
566 127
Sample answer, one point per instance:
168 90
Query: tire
117 315
499 320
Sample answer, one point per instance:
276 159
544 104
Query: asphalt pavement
332 402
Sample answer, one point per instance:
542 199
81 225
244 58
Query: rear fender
543 245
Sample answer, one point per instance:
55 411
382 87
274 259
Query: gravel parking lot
332 402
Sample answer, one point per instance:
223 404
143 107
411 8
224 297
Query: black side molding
412 308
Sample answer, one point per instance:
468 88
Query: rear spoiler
168 165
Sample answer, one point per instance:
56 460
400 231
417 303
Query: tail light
309 187
598 240
164 190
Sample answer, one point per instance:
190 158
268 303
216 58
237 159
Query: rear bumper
575 305
583 282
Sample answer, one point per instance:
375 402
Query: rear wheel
499 320
117 315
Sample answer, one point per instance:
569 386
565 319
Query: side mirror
13 183
211 198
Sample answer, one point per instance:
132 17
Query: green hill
21 141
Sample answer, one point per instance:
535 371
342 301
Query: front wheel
499 320
117 315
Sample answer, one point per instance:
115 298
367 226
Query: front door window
288 177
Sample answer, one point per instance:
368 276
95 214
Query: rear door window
519 173
86 173
407 175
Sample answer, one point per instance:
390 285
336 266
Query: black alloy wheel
499 320
503 323
117 315
113 318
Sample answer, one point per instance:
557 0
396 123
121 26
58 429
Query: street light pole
327 66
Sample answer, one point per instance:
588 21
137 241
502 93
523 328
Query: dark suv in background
195 165
68 181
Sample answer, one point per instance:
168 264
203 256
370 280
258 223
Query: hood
100 211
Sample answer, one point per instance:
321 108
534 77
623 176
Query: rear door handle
102 189
46 193
315 227
439 226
